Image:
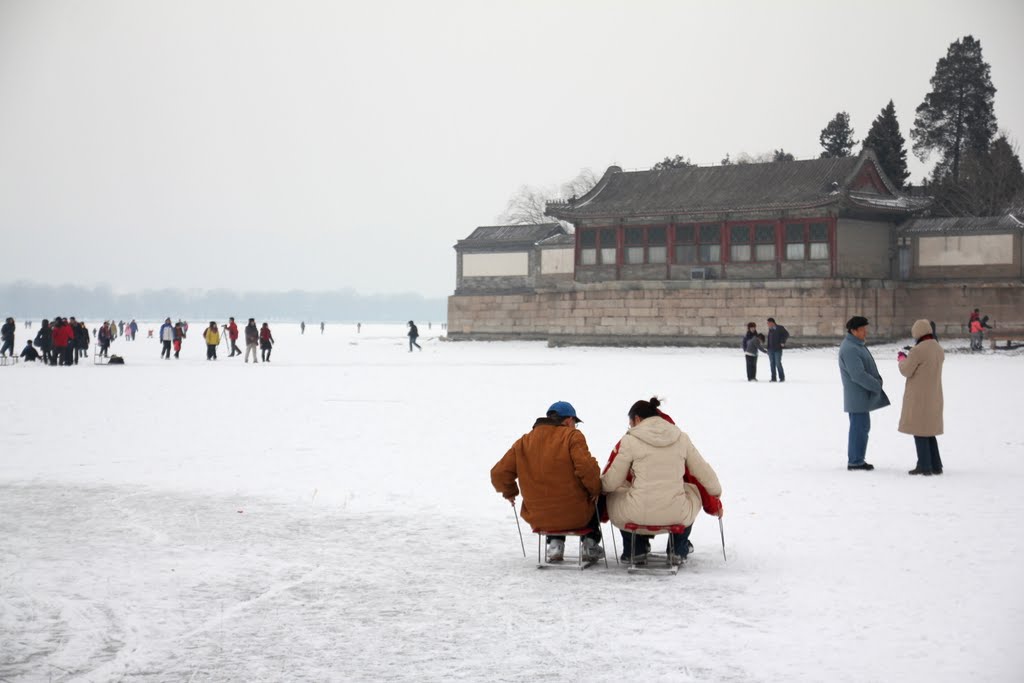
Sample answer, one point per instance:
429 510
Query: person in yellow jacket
212 337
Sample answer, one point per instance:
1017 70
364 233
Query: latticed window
657 244
710 249
739 243
608 246
588 247
807 241
686 244
796 249
818 238
764 238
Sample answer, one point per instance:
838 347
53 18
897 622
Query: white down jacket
658 454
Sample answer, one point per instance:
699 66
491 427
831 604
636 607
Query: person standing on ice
212 337
414 333
252 340
321 327
302 327
656 476
166 338
266 342
862 390
777 338
559 478
921 416
233 337
7 336
179 337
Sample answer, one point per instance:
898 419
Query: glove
901 356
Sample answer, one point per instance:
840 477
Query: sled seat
652 530
542 562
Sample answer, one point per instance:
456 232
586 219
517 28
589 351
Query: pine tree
782 155
837 137
888 144
991 183
958 115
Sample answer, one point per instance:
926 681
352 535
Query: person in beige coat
644 483
922 399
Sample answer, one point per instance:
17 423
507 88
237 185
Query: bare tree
528 204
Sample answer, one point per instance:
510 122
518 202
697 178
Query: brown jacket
559 478
922 399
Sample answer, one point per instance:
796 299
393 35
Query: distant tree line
26 299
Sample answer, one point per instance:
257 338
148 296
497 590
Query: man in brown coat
922 399
559 478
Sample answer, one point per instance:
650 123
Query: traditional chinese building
689 255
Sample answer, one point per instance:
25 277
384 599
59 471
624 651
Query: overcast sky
325 145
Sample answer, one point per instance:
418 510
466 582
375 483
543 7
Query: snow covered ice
329 517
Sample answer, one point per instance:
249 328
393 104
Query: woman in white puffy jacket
644 483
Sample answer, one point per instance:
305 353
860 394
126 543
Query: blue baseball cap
564 409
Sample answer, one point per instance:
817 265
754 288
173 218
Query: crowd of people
65 340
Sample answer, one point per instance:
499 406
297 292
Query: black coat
777 337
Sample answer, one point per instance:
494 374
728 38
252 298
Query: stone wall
688 312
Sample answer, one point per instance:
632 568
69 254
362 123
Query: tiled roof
960 225
736 187
509 235
558 241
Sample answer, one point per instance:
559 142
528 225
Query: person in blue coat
862 390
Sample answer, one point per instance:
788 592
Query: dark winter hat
856 322
771 320
563 409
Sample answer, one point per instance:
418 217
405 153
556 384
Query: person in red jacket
266 342
233 336
63 348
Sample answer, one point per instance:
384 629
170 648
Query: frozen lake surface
329 517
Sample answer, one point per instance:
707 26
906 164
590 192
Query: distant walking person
302 327
921 416
133 328
252 340
266 342
414 334
179 336
233 336
321 328
862 390
777 338
212 337
166 338
7 336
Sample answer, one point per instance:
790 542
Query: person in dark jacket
7 336
104 338
252 340
29 353
751 332
81 339
777 338
414 333
862 390
44 342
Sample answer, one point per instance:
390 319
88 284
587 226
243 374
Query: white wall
556 261
494 265
965 250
